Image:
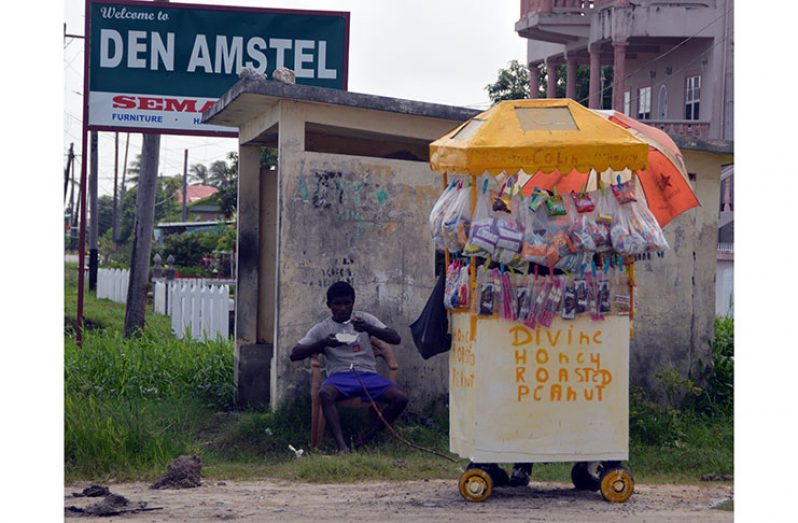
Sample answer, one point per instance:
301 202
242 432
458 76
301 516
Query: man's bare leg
328 395
396 401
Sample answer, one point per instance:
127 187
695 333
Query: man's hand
360 324
332 341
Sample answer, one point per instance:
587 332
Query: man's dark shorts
347 384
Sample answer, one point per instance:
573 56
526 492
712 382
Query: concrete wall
359 219
676 294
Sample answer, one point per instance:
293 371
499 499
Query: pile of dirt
182 472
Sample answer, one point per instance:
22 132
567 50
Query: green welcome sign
157 66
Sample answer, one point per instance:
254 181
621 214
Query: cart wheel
583 479
617 484
476 485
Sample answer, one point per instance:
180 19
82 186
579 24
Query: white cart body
539 395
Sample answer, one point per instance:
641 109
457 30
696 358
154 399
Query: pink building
672 59
672 66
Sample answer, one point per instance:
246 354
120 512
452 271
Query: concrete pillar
551 80
252 362
594 88
534 81
619 71
570 78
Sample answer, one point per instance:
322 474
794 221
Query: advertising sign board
157 66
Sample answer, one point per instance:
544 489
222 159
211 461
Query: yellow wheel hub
476 485
617 485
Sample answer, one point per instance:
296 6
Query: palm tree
199 172
217 174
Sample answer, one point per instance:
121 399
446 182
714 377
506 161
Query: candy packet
569 300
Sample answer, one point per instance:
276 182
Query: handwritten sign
559 394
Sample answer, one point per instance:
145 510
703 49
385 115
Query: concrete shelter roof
253 93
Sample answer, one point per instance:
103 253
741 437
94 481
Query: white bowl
345 337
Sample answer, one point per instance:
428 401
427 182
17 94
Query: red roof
196 192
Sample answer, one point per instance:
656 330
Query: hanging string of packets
559 231
534 299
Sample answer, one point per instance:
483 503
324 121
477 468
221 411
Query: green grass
131 406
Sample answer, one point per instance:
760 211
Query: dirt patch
432 500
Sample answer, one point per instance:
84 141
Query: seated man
344 339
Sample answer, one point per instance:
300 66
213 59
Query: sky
443 51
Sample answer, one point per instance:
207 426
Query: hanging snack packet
595 306
556 205
509 304
552 304
604 218
482 237
485 306
541 291
624 192
457 220
604 296
523 295
437 213
582 295
582 202
452 277
569 300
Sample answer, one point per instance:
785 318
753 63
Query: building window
692 98
627 103
662 103
644 103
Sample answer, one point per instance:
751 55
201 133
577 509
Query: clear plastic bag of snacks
534 246
604 217
510 230
482 237
626 234
457 220
437 213
645 222
624 192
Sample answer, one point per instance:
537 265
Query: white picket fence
112 284
202 310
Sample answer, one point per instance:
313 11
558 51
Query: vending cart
541 302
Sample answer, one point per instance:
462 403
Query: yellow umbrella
537 135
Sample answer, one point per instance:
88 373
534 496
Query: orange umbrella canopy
665 183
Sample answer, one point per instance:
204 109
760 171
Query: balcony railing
585 6
566 6
682 127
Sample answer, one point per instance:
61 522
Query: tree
512 84
199 173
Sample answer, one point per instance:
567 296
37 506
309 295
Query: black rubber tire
582 479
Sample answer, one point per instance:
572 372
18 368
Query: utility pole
94 215
118 217
184 215
139 281
70 157
114 221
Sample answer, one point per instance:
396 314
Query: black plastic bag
430 330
